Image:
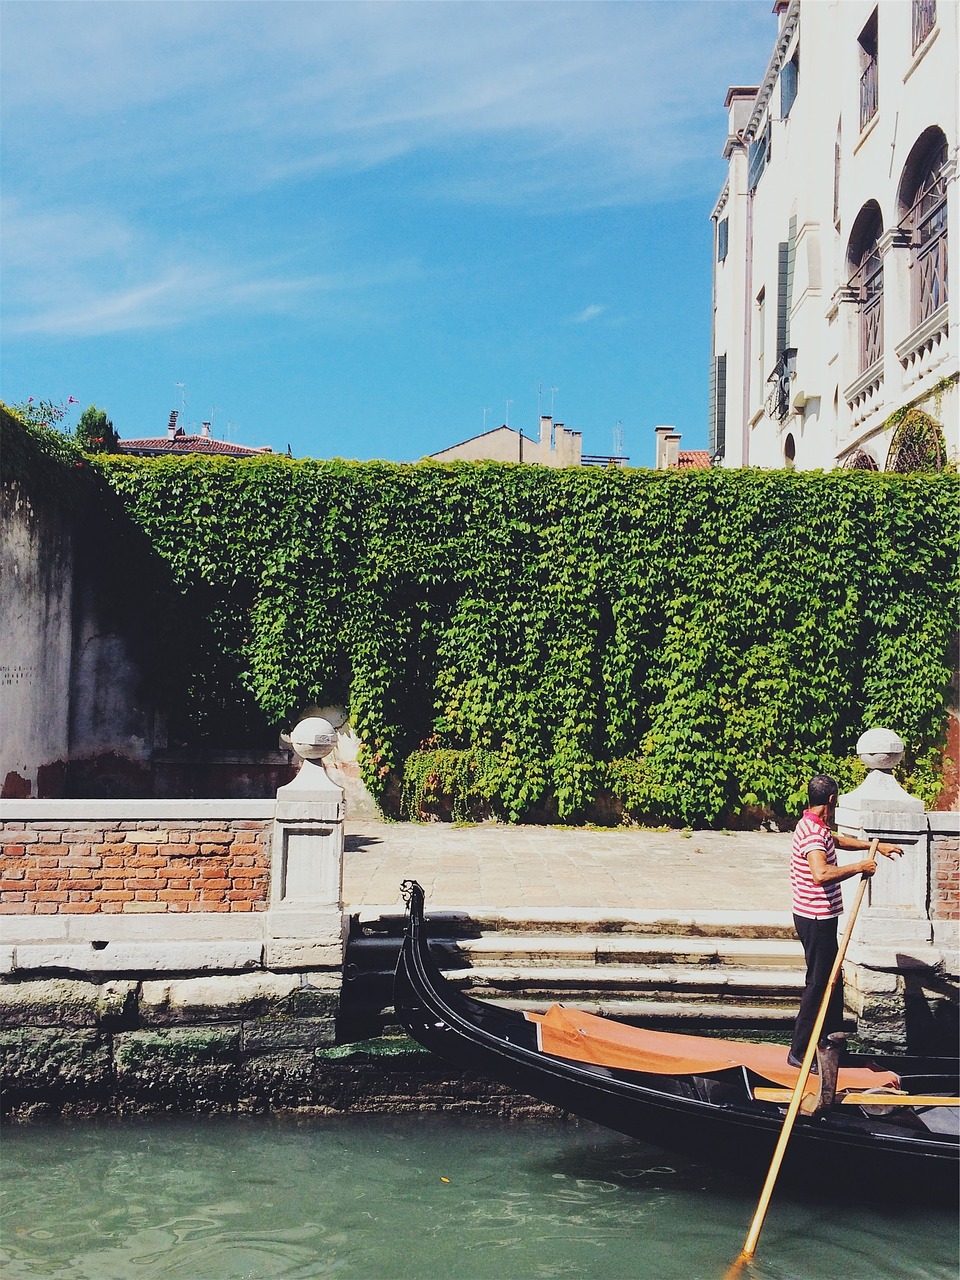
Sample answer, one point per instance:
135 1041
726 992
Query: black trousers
819 941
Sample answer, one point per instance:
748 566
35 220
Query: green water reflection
411 1198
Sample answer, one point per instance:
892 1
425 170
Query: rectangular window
924 20
722 235
869 78
789 83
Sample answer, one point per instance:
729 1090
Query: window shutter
721 423
756 161
789 83
786 255
722 238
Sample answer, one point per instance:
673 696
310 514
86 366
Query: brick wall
135 866
944 876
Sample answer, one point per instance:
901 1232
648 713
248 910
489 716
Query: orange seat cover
584 1037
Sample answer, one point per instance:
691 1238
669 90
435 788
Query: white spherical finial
880 748
313 738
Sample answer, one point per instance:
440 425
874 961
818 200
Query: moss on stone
45 1060
381 1047
175 1047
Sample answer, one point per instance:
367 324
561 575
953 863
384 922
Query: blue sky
361 229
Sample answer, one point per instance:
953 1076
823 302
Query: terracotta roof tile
189 444
693 459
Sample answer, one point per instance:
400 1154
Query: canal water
419 1198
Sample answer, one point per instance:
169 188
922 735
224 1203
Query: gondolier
815 878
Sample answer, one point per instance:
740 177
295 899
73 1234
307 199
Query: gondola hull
711 1116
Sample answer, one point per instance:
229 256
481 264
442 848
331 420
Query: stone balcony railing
926 348
864 395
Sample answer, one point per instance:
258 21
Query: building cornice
722 200
784 38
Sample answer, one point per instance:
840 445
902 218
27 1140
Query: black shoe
798 1062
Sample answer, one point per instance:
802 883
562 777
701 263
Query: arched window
866 279
790 451
860 460
918 444
923 214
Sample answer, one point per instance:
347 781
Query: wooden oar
753 1235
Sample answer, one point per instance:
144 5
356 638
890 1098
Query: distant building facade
556 447
177 441
834 295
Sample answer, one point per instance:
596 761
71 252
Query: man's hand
868 867
890 850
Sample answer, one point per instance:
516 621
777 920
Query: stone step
713 970
552 949
472 922
658 982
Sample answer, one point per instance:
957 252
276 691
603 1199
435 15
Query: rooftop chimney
205 430
172 425
663 451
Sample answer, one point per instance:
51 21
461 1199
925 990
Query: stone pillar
305 918
894 246
892 962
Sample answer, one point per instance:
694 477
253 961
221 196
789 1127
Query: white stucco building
835 298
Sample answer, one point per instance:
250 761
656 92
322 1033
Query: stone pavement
501 867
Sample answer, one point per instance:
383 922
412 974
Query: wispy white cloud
589 313
164 123
627 96
77 274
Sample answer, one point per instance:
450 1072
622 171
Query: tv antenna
618 439
553 394
485 412
183 397
507 422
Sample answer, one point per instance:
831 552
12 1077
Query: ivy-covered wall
536 642
693 643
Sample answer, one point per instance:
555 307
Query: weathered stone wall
72 687
243 1043
78 867
36 630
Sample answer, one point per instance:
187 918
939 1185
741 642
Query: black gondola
707 1108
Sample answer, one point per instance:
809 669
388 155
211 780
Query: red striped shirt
812 900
